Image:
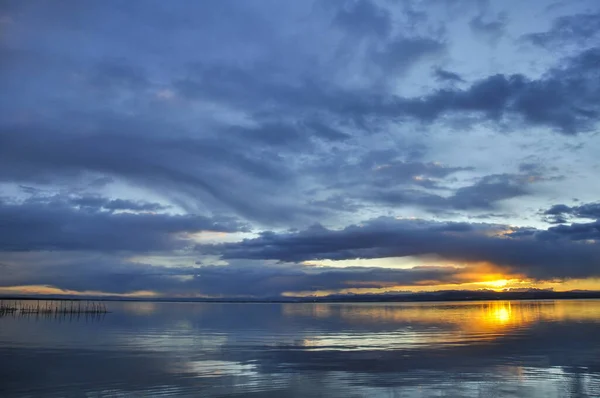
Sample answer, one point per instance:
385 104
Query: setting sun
498 283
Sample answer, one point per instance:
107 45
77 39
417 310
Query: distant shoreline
442 296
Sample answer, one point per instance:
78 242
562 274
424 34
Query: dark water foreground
478 349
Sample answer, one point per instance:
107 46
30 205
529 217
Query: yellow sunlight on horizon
498 285
51 290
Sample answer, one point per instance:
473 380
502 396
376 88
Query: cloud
589 232
380 177
54 224
489 190
78 271
117 75
273 281
96 202
260 88
485 194
394 49
493 29
364 19
578 29
403 52
559 214
539 254
220 173
565 98
447 76
382 169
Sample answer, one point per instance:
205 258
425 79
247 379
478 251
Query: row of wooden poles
52 307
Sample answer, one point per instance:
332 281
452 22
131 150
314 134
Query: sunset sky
269 148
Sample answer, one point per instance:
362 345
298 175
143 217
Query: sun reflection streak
501 314
406 325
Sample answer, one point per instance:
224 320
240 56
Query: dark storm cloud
560 213
53 224
542 254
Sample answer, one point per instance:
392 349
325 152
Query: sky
270 148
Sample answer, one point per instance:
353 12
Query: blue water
476 349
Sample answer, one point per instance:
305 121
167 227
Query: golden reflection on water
444 323
502 314
486 314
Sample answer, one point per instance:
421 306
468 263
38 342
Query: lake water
475 349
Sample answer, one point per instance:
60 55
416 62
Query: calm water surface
478 349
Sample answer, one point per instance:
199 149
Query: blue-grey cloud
100 203
544 254
589 232
491 29
55 224
560 213
579 29
446 75
208 169
565 99
81 272
364 18
485 194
